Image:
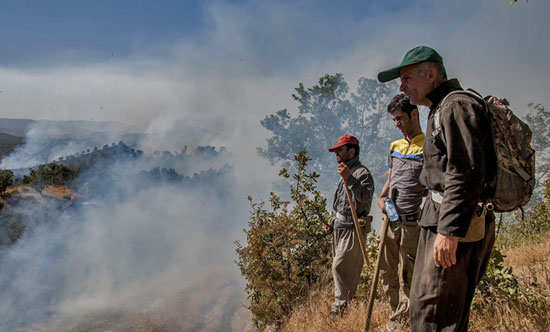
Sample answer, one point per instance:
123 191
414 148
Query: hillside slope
8 143
530 263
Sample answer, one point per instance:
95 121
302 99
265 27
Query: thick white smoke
131 248
127 248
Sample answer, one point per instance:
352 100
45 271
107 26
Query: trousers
397 266
440 298
347 265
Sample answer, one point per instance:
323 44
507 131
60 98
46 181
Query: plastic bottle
391 211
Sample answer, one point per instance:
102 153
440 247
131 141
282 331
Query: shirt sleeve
361 186
389 161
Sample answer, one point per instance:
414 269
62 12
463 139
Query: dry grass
528 253
314 315
530 263
58 192
23 192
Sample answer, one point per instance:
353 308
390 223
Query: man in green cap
452 253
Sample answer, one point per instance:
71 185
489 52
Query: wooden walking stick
356 222
370 304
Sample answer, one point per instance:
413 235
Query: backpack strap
470 92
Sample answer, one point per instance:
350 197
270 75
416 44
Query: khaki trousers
347 265
397 265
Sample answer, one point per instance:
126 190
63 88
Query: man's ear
432 74
414 113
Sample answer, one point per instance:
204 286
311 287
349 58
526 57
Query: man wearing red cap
347 257
452 253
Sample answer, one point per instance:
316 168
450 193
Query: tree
49 174
6 180
287 250
327 111
538 119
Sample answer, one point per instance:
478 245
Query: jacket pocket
476 230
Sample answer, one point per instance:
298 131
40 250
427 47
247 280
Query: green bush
498 281
49 174
517 230
6 180
287 250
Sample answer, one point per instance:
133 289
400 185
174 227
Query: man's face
416 84
343 154
405 123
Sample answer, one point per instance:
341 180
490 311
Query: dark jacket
361 186
454 159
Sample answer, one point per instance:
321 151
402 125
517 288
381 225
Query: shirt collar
437 94
419 137
352 162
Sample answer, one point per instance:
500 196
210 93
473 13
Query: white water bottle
391 211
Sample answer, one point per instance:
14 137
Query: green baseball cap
416 55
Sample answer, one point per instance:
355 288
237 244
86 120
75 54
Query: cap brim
334 148
389 74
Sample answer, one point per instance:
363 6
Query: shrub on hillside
49 174
500 284
287 250
6 180
532 228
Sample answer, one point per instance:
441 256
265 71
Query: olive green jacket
361 187
455 158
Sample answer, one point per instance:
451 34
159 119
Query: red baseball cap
346 139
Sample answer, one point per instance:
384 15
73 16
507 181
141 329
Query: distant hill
63 129
44 137
15 127
10 139
44 141
8 143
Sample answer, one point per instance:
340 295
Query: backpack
512 183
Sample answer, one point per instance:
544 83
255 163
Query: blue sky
40 31
224 65
43 33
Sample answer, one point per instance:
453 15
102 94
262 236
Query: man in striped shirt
404 166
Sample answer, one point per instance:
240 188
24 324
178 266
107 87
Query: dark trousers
440 298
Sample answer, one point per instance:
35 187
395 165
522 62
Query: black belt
410 217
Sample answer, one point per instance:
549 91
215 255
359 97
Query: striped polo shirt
405 160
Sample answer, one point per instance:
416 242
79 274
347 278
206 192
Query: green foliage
516 231
498 282
287 250
49 174
538 119
371 247
6 180
327 111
